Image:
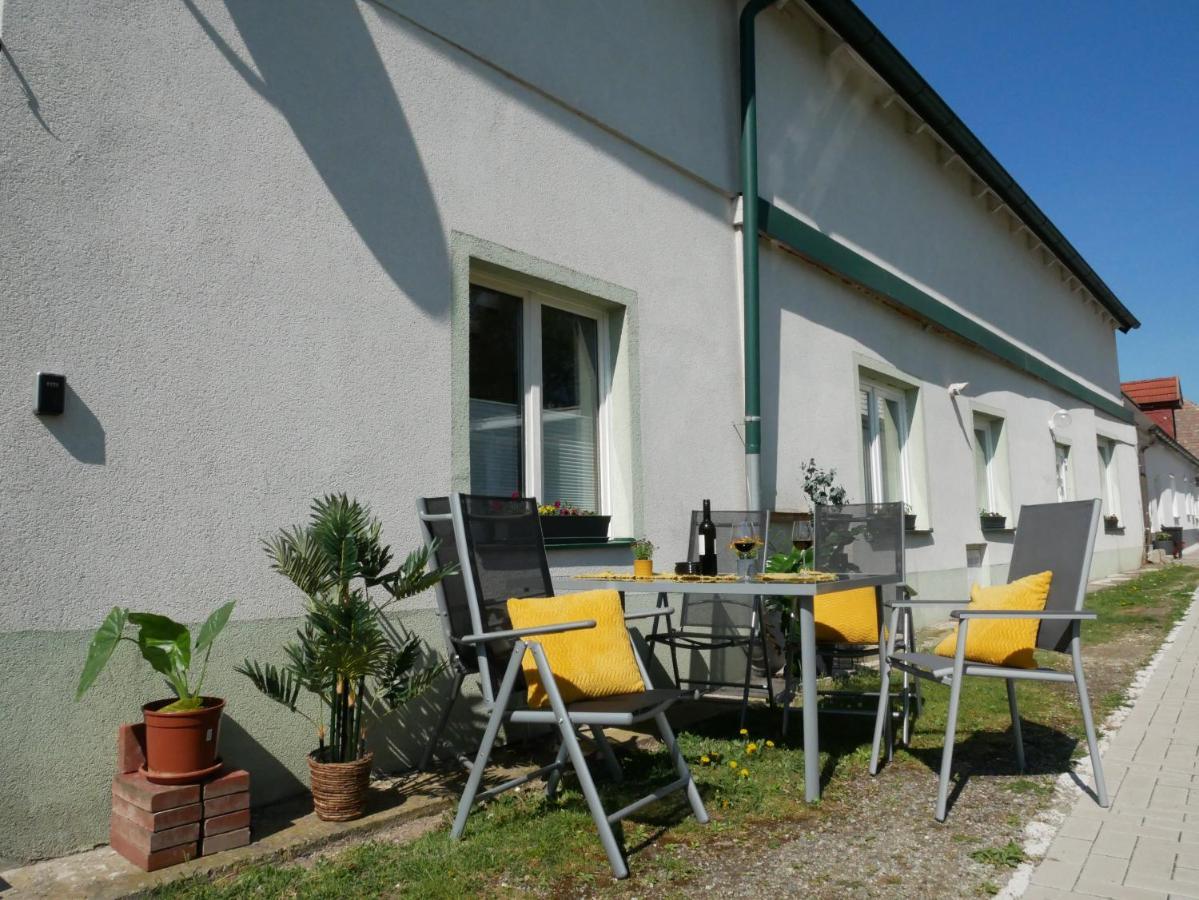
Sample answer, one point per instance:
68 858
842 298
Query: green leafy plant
345 653
164 643
821 485
643 549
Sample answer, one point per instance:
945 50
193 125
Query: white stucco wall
1170 480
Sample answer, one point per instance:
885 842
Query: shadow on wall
78 430
319 67
271 779
401 738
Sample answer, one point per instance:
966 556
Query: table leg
811 733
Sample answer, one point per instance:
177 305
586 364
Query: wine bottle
707 542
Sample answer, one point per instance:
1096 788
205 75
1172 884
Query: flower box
575 529
992 523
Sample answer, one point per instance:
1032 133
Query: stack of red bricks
159 825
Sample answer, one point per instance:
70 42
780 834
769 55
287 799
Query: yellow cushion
589 663
1003 642
847 617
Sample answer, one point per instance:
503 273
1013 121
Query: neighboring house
400 248
1169 469
1186 425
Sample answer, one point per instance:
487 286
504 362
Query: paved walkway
1147 844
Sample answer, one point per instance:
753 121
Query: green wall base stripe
822 250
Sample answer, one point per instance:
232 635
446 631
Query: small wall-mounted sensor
51 394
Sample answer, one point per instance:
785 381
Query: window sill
575 545
1004 530
1119 529
919 532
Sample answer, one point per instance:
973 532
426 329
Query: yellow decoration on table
587 664
1003 642
847 617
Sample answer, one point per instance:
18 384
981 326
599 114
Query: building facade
1169 462
399 248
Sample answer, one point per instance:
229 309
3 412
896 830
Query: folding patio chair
722 621
1057 537
501 552
861 539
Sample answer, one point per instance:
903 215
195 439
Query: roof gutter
844 17
749 255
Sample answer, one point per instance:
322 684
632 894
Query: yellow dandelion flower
770 744
732 763
745 773
751 748
705 760
744 732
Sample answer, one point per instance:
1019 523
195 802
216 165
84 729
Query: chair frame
697 640
596 715
954 672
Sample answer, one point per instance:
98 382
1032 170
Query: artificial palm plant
345 653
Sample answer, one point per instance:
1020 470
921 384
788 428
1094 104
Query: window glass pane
981 461
867 443
889 423
496 393
570 408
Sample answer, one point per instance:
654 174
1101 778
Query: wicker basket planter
339 789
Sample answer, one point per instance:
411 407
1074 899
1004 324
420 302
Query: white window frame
874 478
1111 479
531 449
1063 481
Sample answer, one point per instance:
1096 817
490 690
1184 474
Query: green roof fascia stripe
856 29
821 249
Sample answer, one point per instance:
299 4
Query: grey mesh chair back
722 611
502 555
1058 537
859 538
453 606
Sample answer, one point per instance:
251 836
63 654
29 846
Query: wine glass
745 543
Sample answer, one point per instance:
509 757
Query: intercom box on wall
51 394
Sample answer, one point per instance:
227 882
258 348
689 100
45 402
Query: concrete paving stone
1041 892
1152 855
1116 843
1103 870
1057 873
1084 829
1067 848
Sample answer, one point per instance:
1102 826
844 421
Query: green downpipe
749 254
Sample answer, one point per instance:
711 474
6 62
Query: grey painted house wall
246 238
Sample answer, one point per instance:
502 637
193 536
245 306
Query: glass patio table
803 597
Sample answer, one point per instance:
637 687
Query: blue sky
1094 108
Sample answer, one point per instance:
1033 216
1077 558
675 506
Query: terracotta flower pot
643 568
181 747
339 789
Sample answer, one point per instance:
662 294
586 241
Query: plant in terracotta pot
346 654
182 735
643 558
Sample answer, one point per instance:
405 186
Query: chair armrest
514 633
1050 615
650 614
904 604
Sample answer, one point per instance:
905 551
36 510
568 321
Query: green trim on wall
470 254
827 253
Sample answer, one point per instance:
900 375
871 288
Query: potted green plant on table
643 558
183 734
345 654
564 523
990 520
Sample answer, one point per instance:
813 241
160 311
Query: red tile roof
1154 391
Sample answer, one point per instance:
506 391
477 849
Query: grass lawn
868 836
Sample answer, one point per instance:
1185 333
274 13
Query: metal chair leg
612 848
951 721
442 721
555 777
605 749
489 735
1088 721
680 766
886 644
1015 711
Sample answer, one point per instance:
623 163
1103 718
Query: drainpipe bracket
739 212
